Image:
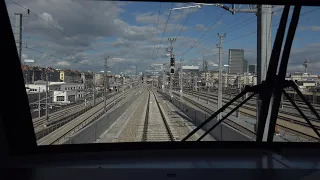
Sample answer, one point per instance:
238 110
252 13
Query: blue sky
125 32
208 13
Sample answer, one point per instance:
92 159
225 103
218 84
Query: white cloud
100 25
315 28
64 63
24 56
151 19
312 28
148 18
88 23
84 61
200 27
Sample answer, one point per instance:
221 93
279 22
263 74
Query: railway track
65 113
156 127
62 134
251 113
81 101
227 121
287 129
285 103
42 131
250 105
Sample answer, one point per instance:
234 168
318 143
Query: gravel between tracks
131 132
181 123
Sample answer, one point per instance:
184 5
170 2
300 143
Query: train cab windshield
120 72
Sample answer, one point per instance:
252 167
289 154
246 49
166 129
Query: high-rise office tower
236 61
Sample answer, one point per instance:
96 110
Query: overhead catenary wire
241 26
45 53
248 34
232 27
203 27
240 23
51 25
241 36
155 36
55 56
48 54
204 33
302 14
226 27
231 23
177 23
164 29
198 41
184 23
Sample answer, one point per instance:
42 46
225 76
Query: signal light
172 71
172 62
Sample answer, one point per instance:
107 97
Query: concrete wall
94 130
223 132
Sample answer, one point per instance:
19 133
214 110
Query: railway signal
172 61
172 70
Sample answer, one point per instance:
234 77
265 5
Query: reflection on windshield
103 72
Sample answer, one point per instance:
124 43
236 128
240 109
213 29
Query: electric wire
272 26
177 23
230 28
155 36
232 22
48 54
185 21
204 33
164 29
52 25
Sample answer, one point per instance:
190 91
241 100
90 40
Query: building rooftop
51 83
306 81
191 67
41 82
57 83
